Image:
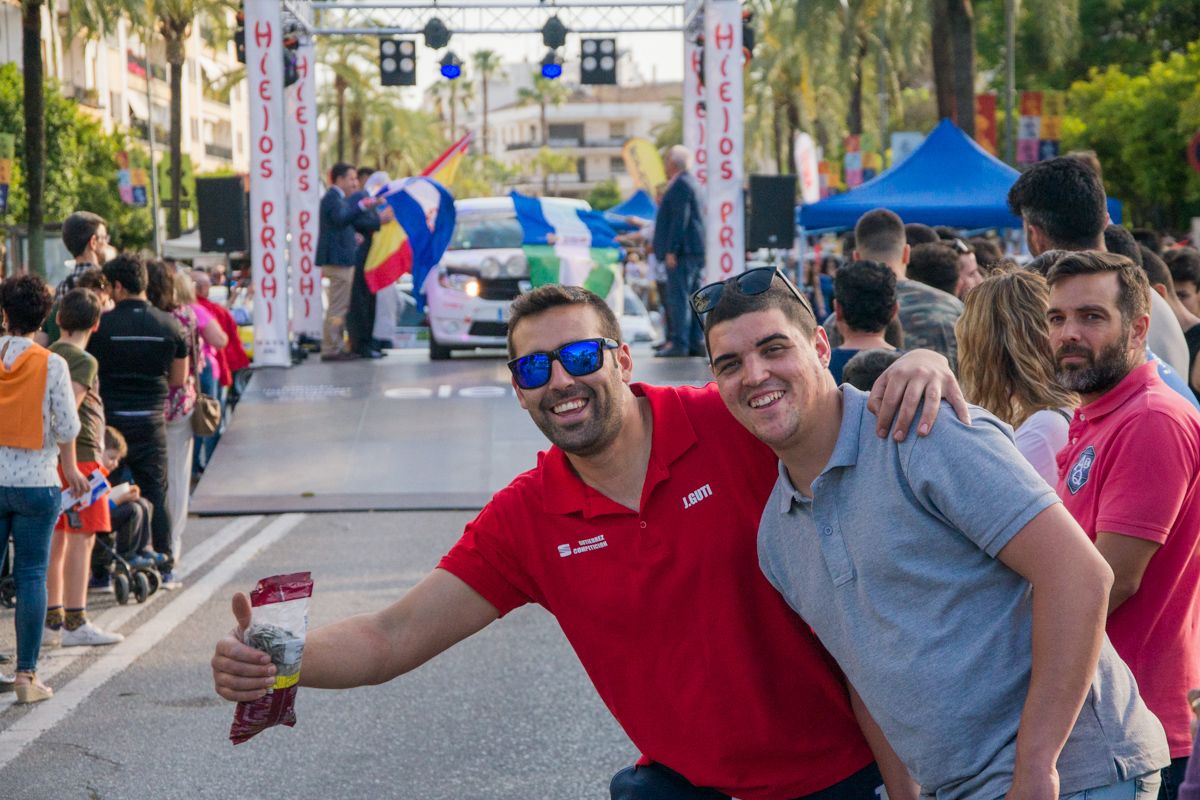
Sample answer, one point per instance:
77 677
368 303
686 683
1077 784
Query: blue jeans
1143 787
683 324
28 515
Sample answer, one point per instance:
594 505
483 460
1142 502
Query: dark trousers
360 319
1172 778
682 283
147 459
656 782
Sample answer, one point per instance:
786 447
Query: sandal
32 692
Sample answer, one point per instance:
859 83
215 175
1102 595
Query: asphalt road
506 714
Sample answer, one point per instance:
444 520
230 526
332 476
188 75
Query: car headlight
516 267
489 268
459 282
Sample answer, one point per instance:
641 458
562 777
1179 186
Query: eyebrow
1080 309
771 338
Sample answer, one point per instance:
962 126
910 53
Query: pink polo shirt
1132 467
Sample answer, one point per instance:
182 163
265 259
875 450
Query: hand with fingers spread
241 673
920 375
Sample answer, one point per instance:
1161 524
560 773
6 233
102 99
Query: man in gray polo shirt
963 603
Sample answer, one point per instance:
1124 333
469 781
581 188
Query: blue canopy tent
948 180
639 204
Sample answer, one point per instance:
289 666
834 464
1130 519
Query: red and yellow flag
390 255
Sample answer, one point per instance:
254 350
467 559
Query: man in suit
679 244
336 246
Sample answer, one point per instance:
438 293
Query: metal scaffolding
384 18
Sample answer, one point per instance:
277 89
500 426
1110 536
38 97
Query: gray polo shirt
893 564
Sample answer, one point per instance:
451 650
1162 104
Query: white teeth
571 405
766 399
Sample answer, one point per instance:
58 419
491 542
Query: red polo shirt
1131 467
695 654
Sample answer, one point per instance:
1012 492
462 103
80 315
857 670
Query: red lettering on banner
304 184
266 126
724 90
305 218
307 307
726 236
701 154
306 265
727 263
725 109
265 169
302 67
725 68
302 118
697 60
726 170
268 263
269 287
725 145
726 212
264 87
266 210
268 236
306 284
303 162
723 36
306 237
265 144
263 33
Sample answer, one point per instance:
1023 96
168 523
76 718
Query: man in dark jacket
336 246
679 244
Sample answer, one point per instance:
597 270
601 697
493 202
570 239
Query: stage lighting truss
402 18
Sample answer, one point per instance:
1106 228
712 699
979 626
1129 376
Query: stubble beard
1104 370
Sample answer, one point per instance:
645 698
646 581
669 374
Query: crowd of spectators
99 379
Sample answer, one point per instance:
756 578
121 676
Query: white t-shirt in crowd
1041 437
1166 337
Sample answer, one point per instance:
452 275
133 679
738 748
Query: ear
822 346
895 311
1161 289
625 362
854 254
904 256
1138 331
1037 239
837 309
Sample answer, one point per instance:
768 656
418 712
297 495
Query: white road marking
44 716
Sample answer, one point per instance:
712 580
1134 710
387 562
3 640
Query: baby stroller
129 572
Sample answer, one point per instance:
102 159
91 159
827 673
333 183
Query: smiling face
770 374
1094 347
581 414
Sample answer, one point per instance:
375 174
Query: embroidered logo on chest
1081 469
698 495
582 546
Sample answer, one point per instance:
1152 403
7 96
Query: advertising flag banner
268 195
693 91
725 212
985 122
1054 107
303 194
644 164
807 168
7 148
569 245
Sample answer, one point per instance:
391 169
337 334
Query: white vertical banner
303 194
693 91
268 203
725 214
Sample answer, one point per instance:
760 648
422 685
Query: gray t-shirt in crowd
893 565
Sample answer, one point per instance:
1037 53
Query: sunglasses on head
750 282
578 358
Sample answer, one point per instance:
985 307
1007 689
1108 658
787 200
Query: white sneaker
87 635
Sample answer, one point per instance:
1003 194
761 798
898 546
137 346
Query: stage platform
396 434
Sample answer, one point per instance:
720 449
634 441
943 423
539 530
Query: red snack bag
278 625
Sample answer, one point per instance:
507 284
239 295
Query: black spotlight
554 33
598 62
552 65
451 66
398 62
437 35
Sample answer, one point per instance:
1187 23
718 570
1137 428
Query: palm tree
487 63
447 97
350 59
953 43
35 131
544 92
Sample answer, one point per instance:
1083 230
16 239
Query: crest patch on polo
1081 469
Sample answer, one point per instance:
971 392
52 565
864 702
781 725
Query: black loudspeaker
221 206
772 212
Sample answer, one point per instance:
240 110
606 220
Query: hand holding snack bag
277 626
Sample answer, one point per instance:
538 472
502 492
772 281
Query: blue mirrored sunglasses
578 358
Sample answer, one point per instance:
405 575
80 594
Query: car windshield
486 232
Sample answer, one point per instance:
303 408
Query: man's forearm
1068 630
348 653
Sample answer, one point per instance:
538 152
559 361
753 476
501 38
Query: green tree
482 176
487 63
604 195
351 59
544 92
549 163
1139 126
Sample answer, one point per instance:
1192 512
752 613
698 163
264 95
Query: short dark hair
1042 264
915 233
1156 269
78 229
1120 241
93 279
1133 293
25 301
1150 238
1065 199
865 367
1184 264
160 285
115 440
879 233
339 170
79 310
866 292
127 269
946 233
935 265
734 304
556 295
987 252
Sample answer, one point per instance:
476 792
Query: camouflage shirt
927 316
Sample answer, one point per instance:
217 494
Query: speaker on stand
221 207
771 216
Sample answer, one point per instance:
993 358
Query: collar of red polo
1120 394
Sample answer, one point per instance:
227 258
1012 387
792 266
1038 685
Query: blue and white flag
425 210
569 245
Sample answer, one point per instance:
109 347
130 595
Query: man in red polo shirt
637 530
1130 474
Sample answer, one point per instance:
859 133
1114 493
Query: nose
559 377
754 370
